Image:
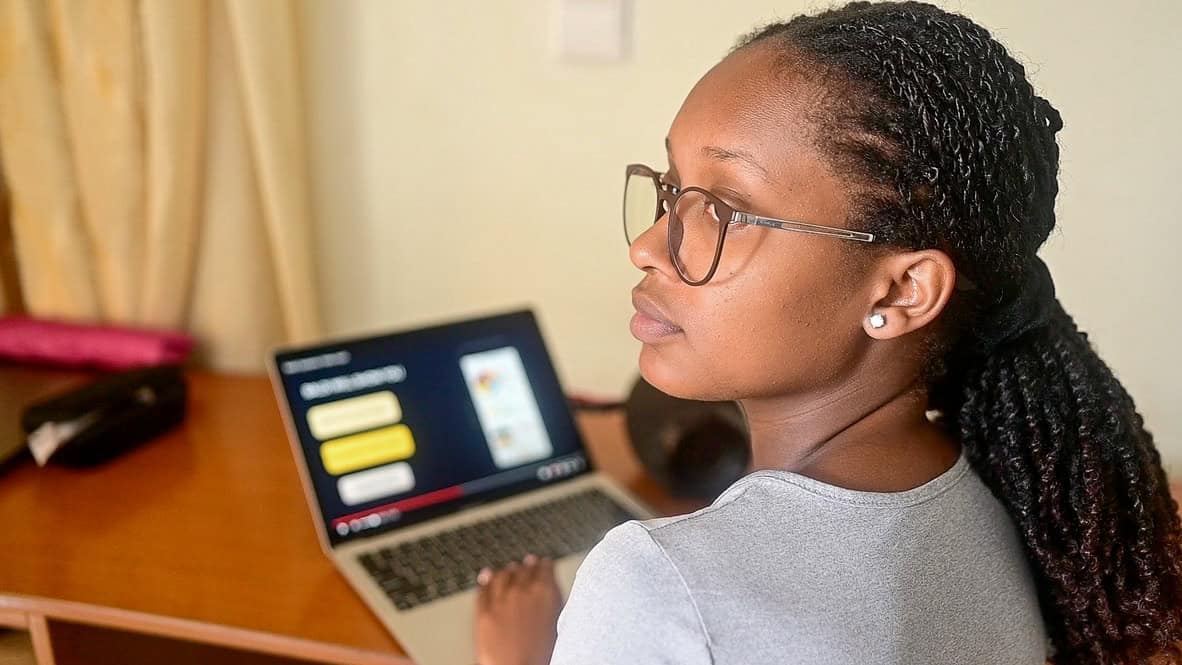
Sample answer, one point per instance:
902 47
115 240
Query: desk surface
204 534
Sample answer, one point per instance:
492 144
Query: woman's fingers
541 570
517 611
529 568
505 578
545 573
493 584
484 597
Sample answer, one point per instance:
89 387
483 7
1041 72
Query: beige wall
460 169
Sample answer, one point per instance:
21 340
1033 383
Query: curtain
10 300
156 164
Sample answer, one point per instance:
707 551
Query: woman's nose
651 248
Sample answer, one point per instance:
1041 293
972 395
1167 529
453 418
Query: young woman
944 471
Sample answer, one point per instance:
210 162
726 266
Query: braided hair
947 146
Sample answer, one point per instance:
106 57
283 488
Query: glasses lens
640 205
694 228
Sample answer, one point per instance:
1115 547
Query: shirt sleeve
629 605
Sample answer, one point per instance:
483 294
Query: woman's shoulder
629 603
650 538
717 532
785 516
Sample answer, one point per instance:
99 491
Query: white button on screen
376 483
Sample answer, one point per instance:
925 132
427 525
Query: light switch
592 30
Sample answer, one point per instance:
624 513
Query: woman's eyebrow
743 158
725 155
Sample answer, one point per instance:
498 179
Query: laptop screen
399 428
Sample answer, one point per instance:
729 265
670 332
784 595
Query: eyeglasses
698 222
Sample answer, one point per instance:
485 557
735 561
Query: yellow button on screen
361 451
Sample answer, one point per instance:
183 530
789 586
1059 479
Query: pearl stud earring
877 320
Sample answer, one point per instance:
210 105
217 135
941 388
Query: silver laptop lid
394 429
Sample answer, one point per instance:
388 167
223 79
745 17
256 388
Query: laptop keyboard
439 565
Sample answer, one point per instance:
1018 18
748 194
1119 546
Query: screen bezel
329 537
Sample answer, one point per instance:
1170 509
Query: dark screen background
450 447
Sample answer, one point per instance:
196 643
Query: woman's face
783 313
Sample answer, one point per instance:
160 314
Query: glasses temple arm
802 227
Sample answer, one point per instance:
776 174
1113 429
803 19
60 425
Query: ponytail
1057 439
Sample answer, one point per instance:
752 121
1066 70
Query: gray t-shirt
785 569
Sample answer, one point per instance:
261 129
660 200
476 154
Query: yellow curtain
9 299
156 161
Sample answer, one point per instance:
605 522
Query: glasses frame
669 199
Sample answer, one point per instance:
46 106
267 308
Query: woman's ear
911 290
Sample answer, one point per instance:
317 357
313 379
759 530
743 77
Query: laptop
428 454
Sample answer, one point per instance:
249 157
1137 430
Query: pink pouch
65 344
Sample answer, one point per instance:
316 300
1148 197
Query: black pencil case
111 415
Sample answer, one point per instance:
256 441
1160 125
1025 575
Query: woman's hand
517 613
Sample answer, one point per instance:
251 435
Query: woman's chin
670 377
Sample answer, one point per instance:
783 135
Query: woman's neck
872 436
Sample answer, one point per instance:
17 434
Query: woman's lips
648 324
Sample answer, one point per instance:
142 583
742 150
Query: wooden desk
203 536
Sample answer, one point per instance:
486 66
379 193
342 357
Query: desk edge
194 631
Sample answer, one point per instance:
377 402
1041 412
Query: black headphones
695 449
